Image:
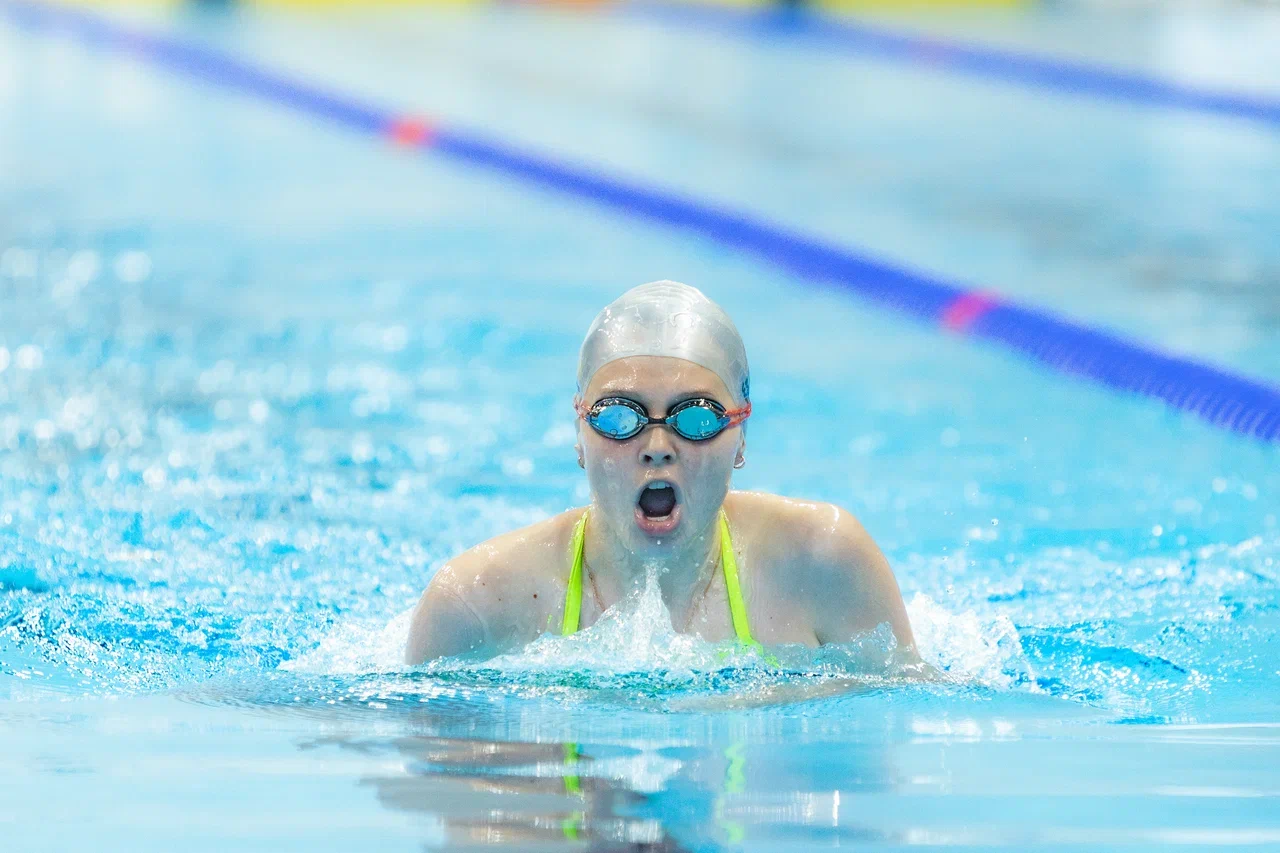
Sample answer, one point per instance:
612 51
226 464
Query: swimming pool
263 374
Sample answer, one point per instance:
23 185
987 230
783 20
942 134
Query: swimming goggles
696 420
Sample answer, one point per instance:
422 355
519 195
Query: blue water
261 377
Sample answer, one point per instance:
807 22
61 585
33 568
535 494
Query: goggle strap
737 416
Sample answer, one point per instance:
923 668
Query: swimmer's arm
857 589
444 624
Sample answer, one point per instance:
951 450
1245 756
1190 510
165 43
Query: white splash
356 649
988 649
634 635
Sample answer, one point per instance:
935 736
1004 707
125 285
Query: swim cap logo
746 388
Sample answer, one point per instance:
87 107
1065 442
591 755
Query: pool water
261 376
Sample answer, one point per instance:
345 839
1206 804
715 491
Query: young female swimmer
663 397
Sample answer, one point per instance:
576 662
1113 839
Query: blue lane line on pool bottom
857 38
1230 401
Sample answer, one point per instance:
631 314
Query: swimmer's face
620 472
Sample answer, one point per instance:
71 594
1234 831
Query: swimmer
663 401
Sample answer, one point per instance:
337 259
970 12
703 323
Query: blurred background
290 301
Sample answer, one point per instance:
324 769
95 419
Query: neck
682 571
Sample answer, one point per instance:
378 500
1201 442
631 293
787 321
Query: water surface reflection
483 792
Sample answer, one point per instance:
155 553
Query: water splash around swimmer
635 634
633 653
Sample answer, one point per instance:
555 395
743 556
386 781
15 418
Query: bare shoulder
495 595
821 533
497 568
826 555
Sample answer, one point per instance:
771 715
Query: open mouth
658 509
658 500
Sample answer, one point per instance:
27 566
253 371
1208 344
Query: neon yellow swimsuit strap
737 607
573 593
728 564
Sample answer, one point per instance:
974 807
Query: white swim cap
667 318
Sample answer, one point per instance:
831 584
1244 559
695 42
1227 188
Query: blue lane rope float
1242 405
1045 73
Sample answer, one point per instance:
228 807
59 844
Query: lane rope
1242 405
1045 73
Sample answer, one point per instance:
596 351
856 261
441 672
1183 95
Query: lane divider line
1045 73
1246 406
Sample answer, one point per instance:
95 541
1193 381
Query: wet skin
810 573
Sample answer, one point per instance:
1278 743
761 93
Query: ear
742 454
577 444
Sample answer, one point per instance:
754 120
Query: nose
656 446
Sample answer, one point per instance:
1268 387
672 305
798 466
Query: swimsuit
728 562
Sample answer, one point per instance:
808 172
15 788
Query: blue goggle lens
696 422
617 421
